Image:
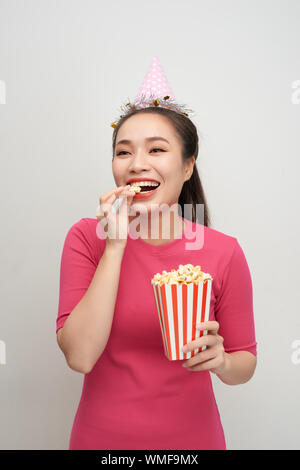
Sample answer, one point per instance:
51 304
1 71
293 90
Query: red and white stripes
180 308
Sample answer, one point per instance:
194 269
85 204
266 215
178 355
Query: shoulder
218 237
85 233
83 227
217 243
231 257
86 225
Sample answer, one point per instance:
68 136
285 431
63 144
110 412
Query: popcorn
182 297
185 274
134 187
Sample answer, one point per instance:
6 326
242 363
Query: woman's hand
117 223
213 358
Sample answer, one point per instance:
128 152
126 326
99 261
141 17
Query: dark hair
192 191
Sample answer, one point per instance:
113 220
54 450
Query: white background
67 67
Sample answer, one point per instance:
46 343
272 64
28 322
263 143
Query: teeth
145 183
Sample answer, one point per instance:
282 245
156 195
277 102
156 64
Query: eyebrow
148 139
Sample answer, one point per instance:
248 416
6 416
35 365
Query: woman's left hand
213 358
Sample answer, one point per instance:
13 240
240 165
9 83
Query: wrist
225 368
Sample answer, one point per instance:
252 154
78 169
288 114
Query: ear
189 167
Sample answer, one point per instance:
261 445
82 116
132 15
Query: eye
159 149
123 151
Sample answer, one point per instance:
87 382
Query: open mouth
145 186
146 189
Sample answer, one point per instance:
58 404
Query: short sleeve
77 268
234 305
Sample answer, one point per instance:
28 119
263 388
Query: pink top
134 397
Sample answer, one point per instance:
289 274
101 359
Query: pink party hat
155 91
155 83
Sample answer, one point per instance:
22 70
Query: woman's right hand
118 223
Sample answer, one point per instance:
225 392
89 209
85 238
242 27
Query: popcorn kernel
185 274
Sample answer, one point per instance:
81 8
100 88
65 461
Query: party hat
155 83
155 91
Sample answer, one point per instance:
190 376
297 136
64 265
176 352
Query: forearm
87 328
239 367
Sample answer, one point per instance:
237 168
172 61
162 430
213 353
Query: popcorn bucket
180 308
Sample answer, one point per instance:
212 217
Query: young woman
133 397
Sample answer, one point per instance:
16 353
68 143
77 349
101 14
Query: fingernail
184 365
184 349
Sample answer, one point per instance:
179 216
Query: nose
139 162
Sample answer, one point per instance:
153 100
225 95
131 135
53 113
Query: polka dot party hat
155 91
156 83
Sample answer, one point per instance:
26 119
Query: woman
133 397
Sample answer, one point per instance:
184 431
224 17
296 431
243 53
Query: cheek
171 188
171 169
168 172
117 170
173 183
174 178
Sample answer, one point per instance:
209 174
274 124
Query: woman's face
157 159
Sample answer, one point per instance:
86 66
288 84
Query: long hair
192 191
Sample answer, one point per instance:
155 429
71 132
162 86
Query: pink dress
134 397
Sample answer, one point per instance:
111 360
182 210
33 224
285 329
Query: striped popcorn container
180 308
